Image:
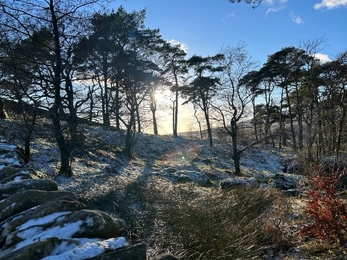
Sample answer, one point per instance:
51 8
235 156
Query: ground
133 188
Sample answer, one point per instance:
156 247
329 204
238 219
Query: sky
204 27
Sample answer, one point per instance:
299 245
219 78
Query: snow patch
42 221
66 251
34 234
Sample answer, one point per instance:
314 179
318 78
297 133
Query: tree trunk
254 120
236 155
105 97
208 124
72 117
2 109
117 106
199 123
291 120
342 124
129 139
30 128
175 108
154 119
65 167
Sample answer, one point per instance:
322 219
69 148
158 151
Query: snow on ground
99 169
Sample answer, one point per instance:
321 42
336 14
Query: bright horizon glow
204 27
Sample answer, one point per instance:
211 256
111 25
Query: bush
325 208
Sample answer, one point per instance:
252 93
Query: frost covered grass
193 222
189 221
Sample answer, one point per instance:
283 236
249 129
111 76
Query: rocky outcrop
39 221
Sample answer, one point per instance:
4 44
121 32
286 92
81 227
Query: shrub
325 208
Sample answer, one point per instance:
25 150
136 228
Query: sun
163 96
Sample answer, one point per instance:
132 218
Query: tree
137 81
204 85
234 96
112 37
285 69
20 20
264 86
255 3
335 83
17 86
310 93
174 67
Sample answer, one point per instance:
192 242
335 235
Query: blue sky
205 26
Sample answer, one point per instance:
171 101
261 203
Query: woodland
77 64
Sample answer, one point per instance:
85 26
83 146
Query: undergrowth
326 210
195 223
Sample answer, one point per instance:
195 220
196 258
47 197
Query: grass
191 222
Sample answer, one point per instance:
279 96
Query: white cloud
231 15
322 57
330 4
182 45
295 18
274 9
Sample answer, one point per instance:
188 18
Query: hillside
171 189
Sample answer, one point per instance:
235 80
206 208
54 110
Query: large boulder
45 211
187 176
237 182
27 199
8 155
15 186
37 250
284 182
10 173
65 225
57 248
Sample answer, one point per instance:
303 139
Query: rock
9 173
57 248
24 200
134 252
170 170
16 186
199 178
283 182
8 155
38 221
79 224
37 250
95 223
46 209
238 182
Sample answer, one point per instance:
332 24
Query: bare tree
60 21
234 96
